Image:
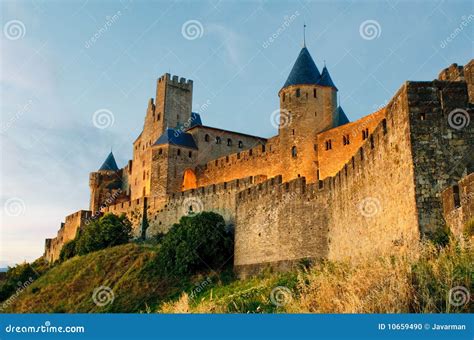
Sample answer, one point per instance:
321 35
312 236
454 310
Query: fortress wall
262 160
279 224
442 144
372 198
66 233
458 204
367 208
219 198
332 160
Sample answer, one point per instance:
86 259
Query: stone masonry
323 187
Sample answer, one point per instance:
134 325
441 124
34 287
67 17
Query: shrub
68 250
108 231
196 243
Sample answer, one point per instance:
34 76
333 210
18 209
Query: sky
76 77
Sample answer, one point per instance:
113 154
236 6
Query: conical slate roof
304 70
176 137
340 117
109 164
326 79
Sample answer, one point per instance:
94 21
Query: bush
20 276
199 242
108 231
68 250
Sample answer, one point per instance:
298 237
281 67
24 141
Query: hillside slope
435 281
69 287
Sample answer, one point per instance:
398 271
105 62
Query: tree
196 243
108 231
68 250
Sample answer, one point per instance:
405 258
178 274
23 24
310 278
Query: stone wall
442 145
458 204
66 232
344 141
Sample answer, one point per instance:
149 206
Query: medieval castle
323 187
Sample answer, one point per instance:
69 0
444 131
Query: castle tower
308 102
170 109
105 184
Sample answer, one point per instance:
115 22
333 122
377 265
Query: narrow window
206 138
314 93
361 154
263 148
372 142
144 174
158 116
160 151
227 159
293 132
422 116
298 92
294 152
250 152
190 154
218 140
229 142
177 118
143 191
456 197
284 96
241 145
328 144
178 152
384 125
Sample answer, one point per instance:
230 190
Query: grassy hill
376 285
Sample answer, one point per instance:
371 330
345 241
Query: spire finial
304 34
324 62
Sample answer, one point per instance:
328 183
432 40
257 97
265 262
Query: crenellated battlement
174 80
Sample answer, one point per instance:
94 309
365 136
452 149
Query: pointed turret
340 117
304 70
325 79
109 164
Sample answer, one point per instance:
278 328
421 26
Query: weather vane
304 34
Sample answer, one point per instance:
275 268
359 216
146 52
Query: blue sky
54 77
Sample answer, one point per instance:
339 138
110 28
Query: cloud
230 40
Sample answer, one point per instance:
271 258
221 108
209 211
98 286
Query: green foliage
20 276
469 229
68 250
441 236
199 242
437 273
108 231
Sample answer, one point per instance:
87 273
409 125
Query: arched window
241 145
218 140
294 153
206 137
229 142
